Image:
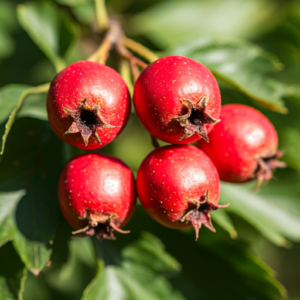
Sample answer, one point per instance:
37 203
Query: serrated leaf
150 251
275 217
213 262
130 275
8 203
170 23
33 162
252 271
12 274
241 65
52 31
34 254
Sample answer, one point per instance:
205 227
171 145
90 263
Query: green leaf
275 217
33 162
173 22
10 94
8 203
131 276
241 65
12 274
72 3
291 145
34 107
212 262
75 269
7 45
52 31
223 220
150 251
254 273
9 97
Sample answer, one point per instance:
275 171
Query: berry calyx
177 99
86 120
88 104
97 195
243 146
179 186
195 119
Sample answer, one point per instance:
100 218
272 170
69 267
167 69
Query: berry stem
134 70
124 52
124 69
154 142
139 49
111 37
101 14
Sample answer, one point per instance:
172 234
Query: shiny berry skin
179 186
88 104
177 99
243 146
97 194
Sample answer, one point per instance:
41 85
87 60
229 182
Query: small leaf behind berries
223 220
130 275
275 217
217 261
150 251
243 66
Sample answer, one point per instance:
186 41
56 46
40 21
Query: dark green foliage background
253 49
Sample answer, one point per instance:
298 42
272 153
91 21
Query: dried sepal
86 120
195 119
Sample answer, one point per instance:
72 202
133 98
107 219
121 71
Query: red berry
97 194
177 99
179 186
88 104
243 146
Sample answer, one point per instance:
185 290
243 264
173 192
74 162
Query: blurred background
253 49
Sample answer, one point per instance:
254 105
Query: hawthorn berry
177 99
179 186
88 104
243 146
97 194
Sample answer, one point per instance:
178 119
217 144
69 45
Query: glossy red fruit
243 146
97 194
88 104
177 99
179 186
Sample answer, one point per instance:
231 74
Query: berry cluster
178 101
